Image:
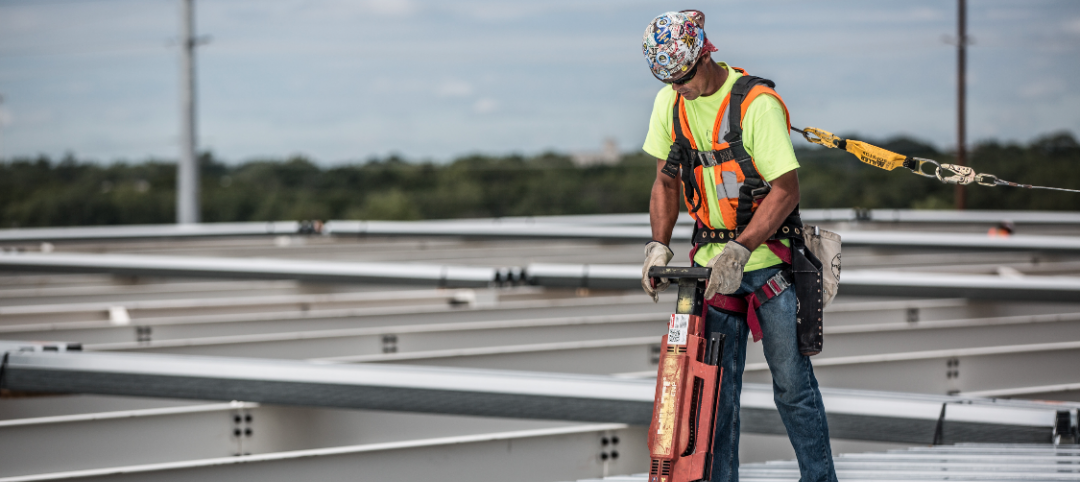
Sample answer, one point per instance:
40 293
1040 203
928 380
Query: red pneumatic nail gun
687 385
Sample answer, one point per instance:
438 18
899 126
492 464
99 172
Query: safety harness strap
676 120
738 95
671 166
754 188
682 156
749 304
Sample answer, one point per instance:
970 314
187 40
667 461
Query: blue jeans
795 389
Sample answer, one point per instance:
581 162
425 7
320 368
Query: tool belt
703 235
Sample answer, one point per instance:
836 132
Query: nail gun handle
672 272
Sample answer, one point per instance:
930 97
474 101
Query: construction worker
742 203
1003 229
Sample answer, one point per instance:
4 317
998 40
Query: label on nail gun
677 329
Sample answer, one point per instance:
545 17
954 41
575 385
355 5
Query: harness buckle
778 283
706 158
724 155
671 169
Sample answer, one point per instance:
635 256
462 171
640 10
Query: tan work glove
727 270
656 254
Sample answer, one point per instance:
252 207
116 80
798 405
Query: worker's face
691 84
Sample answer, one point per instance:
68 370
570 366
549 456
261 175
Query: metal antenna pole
961 110
187 171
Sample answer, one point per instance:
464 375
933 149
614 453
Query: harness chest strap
749 304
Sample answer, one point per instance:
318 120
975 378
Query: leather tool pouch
826 247
810 293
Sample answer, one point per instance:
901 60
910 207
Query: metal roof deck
961 462
964 334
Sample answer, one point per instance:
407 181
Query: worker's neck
715 76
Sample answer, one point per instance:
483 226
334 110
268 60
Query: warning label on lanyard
677 329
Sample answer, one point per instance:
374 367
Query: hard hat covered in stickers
673 41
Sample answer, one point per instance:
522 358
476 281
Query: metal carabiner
989 180
821 137
919 167
961 175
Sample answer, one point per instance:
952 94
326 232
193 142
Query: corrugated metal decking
974 330
966 462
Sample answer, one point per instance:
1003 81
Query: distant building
608 156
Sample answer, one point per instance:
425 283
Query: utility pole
961 110
3 120
187 170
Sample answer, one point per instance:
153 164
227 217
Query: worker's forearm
776 206
663 206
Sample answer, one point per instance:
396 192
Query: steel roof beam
405 338
311 334
150 231
852 414
230 322
74 442
544 454
496 335
487 229
830 215
862 282
929 371
277 303
166 231
852 282
249 268
378 387
642 233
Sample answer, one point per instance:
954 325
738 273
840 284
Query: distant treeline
68 192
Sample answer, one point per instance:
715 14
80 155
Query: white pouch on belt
826 247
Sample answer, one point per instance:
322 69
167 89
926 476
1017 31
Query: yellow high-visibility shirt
765 137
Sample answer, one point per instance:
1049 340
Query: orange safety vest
740 187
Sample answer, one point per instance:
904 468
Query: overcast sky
343 80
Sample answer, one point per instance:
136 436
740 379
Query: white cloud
38 117
1073 26
925 14
486 105
454 88
1042 88
392 8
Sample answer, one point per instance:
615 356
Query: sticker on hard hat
677 329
